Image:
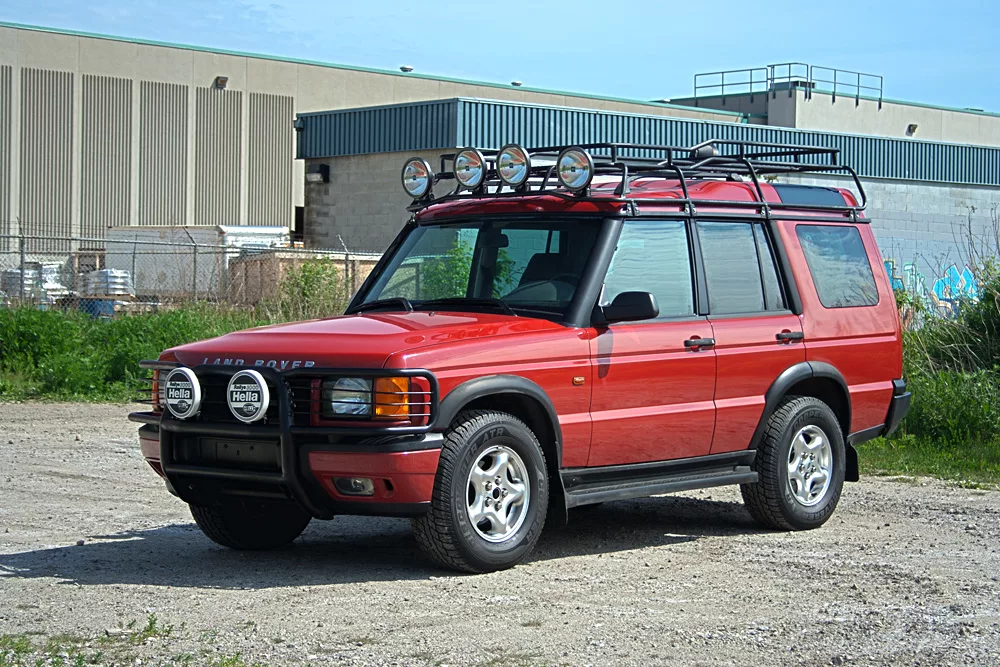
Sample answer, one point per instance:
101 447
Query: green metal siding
489 124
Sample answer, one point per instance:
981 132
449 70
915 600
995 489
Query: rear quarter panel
863 343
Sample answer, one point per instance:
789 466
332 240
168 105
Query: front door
654 382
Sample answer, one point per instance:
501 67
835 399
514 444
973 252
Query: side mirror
630 307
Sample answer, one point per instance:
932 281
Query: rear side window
739 268
839 265
652 256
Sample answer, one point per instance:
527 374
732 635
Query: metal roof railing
769 79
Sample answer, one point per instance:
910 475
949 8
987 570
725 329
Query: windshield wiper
473 302
395 303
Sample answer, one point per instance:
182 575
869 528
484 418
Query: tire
250 526
482 440
796 497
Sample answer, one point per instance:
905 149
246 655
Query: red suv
565 326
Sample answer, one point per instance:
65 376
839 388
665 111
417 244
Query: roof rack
715 159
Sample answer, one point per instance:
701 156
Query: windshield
525 267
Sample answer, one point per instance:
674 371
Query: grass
972 463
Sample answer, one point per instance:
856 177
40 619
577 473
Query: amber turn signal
392 398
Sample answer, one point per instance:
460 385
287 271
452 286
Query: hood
351 341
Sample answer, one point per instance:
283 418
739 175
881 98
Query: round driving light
575 168
182 393
417 177
470 168
248 396
513 165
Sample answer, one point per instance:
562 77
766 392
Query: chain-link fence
137 270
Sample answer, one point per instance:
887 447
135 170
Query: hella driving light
347 397
470 168
513 165
418 177
575 168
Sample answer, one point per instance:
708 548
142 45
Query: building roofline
359 68
867 98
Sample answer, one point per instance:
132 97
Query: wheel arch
818 380
525 400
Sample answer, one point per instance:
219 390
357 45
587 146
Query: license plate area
262 455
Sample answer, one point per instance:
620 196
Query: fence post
194 264
22 251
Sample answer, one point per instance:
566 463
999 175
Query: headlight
347 396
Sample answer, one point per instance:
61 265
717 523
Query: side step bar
585 486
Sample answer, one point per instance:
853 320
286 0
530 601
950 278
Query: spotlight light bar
470 168
513 165
418 177
575 169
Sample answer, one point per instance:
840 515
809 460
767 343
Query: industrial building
99 132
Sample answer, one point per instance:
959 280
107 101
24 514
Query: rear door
756 335
653 385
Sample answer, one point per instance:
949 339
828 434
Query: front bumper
204 462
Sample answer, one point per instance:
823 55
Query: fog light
355 486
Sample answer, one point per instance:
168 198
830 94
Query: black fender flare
494 385
791 376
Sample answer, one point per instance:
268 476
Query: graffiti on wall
942 294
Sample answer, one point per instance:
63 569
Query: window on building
652 256
838 263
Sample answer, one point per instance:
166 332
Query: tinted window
731 267
773 294
839 265
652 256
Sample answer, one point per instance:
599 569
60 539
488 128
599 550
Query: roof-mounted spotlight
513 165
470 168
418 177
575 169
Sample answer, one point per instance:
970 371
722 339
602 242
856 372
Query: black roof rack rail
716 159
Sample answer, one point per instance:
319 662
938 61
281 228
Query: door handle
790 335
699 342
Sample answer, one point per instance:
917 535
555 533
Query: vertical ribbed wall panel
269 182
163 137
5 153
106 144
217 157
46 190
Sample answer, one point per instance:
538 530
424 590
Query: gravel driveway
91 544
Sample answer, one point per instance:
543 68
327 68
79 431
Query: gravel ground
90 542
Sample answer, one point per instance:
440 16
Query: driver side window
652 256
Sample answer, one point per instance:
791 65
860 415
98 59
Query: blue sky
937 52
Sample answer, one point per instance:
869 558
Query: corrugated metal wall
217 157
401 127
5 156
269 164
106 160
163 150
46 189
489 124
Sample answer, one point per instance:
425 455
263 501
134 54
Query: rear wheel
800 465
490 495
250 526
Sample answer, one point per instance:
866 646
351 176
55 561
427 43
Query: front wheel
800 465
490 495
249 525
